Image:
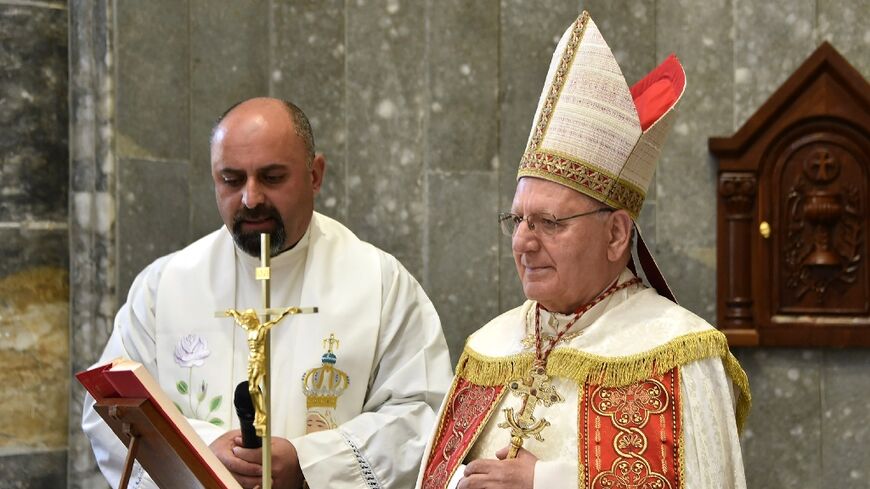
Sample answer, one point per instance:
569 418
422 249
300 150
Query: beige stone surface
34 355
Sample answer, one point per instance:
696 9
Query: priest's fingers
248 482
243 468
225 450
225 441
252 455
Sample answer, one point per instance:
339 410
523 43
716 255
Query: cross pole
264 275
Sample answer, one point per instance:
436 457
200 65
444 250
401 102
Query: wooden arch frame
798 171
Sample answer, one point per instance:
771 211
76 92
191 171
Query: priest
376 330
596 381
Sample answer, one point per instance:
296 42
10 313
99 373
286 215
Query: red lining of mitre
657 92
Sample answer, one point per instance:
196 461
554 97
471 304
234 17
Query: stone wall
809 424
34 286
423 109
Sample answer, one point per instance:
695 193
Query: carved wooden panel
793 194
820 251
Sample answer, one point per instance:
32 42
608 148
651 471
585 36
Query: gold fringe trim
741 381
613 371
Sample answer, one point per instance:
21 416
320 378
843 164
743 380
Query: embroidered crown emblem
323 385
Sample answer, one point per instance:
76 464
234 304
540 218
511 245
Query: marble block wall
34 279
809 424
422 109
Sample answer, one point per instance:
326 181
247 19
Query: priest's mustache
256 214
250 242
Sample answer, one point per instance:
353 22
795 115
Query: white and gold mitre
591 132
323 385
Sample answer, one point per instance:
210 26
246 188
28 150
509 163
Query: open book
131 401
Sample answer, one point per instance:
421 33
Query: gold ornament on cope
535 389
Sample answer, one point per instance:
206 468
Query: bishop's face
567 269
263 183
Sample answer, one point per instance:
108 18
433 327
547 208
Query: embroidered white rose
191 351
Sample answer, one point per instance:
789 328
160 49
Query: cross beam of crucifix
249 320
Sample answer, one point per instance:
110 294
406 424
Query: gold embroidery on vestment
630 408
322 387
613 371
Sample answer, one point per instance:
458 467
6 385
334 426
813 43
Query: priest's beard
250 242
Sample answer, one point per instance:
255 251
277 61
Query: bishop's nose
524 239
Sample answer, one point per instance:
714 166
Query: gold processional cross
259 353
534 389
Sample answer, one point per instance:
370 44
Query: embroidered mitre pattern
593 133
322 387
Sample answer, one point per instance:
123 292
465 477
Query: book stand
157 444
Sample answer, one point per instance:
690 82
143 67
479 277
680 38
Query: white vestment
390 345
629 335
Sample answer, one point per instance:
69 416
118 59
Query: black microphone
245 410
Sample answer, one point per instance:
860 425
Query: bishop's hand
517 473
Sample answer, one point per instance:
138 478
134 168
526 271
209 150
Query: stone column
92 212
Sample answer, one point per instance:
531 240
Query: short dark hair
301 126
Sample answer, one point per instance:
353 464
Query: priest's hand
502 473
247 471
245 464
286 473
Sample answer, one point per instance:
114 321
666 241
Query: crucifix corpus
257 326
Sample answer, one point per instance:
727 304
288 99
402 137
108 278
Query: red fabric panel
630 435
469 406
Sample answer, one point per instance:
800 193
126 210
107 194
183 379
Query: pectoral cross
259 352
534 389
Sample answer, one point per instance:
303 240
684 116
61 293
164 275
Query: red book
131 401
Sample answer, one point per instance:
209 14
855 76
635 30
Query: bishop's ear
619 225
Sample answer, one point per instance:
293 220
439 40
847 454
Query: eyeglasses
547 223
